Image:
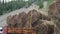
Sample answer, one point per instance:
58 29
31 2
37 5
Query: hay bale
12 21
54 10
35 16
9 20
58 1
17 20
22 19
54 13
44 17
45 27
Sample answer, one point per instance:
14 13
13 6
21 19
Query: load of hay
40 22
54 13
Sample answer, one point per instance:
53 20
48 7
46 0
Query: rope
31 20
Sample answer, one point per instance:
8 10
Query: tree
13 5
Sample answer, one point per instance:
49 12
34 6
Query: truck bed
21 31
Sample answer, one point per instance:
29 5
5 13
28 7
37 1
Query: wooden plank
19 30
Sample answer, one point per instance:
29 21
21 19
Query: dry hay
16 20
22 19
54 13
40 22
45 27
35 16
54 10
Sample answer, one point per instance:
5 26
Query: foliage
13 5
10 6
40 2
17 4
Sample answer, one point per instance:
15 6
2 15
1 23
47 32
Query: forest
6 7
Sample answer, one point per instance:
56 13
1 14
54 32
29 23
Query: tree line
17 4
13 5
